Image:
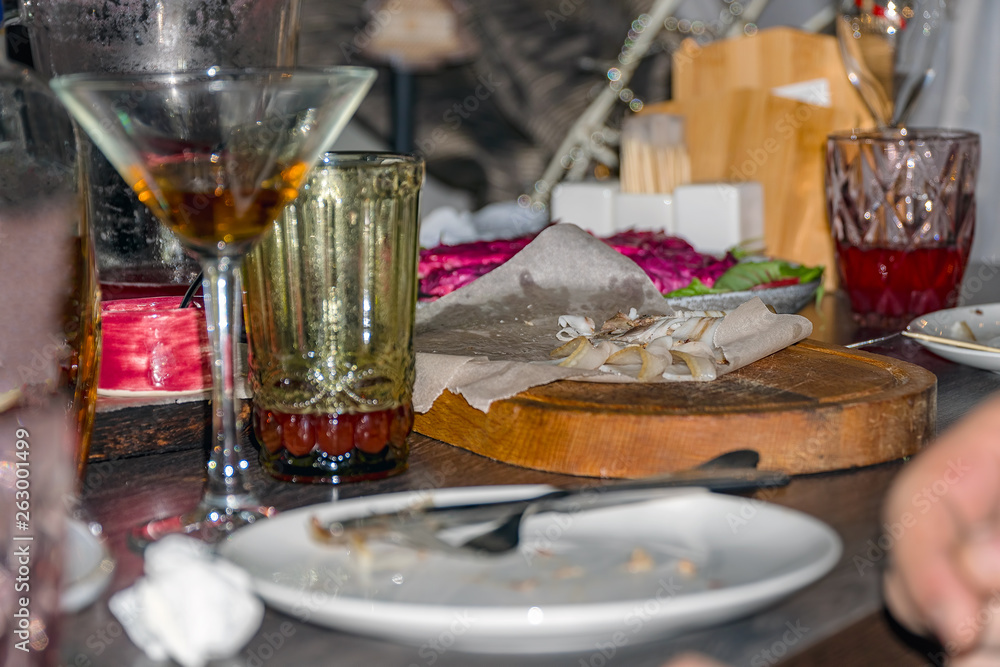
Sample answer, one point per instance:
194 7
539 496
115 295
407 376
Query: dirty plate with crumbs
973 324
573 581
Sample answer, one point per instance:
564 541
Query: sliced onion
702 368
639 363
699 348
581 353
661 346
701 328
573 326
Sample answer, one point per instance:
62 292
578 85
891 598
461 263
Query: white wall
966 95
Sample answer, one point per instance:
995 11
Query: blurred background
487 90
547 59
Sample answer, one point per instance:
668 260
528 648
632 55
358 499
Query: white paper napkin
491 339
190 606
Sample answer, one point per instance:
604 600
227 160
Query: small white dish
630 573
87 568
983 321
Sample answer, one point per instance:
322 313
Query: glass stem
228 486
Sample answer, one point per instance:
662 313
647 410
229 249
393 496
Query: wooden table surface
836 621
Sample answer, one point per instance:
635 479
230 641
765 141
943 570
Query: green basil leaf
694 288
747 275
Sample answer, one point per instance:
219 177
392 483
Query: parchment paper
491 339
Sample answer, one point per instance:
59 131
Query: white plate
984 321
87 568
696 558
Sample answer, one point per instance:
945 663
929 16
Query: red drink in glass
902 210
891 284
348 446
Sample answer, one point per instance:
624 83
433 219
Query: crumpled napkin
190 606
500 220
491 339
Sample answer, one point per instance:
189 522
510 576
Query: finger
949 487
904 610
963 467
977 658
986 625
943 600
693 660
979 558
924 563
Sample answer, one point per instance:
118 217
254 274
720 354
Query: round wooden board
809 408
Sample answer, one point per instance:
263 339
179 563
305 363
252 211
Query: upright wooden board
809 408
752 135
738 130
773 57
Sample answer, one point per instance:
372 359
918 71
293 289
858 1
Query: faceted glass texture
902 210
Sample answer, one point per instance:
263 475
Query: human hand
943 514
693 660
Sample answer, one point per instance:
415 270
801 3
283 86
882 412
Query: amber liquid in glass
209 216
83 330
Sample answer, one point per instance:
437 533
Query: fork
420 526
506 536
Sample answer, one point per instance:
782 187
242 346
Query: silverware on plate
953 342
494 527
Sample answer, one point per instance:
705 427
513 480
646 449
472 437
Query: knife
418 525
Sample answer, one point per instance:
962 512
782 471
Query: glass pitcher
134 255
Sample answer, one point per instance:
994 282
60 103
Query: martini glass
216 155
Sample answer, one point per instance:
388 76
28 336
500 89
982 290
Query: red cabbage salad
674 266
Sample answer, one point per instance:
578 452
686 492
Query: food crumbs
639 562
524 586
687 568
569 572
319 532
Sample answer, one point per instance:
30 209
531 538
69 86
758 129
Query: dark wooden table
836 621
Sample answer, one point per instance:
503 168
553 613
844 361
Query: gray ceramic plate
786 299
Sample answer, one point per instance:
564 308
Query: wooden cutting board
809 408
